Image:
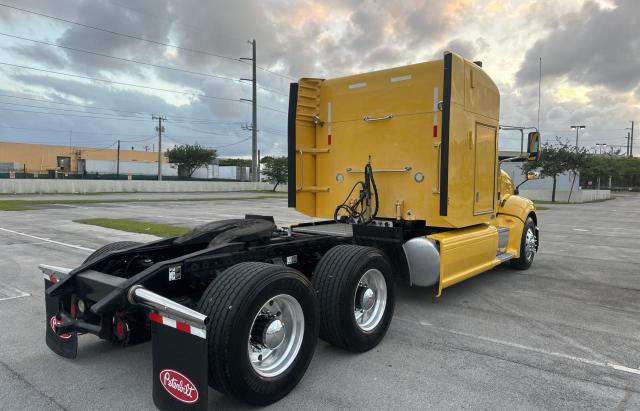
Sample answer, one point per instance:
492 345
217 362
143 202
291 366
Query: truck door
485 169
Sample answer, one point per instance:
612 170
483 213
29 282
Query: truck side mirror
533 146
533 175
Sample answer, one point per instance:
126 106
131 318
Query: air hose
359 212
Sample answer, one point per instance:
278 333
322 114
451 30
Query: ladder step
504 256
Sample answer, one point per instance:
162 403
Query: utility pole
118 162
631 144
259 165
160 129
628 141
254 113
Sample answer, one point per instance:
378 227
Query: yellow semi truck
401 169
429 133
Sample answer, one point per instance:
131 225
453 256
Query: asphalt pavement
563 335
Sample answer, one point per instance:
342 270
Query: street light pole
575 172
577 129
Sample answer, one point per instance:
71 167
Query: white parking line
529 348
47 240
8 292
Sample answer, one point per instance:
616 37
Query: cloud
595 46
590 51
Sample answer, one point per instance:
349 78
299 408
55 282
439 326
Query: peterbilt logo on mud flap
54 322
178 386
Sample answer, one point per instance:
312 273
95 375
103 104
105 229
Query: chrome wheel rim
530 244
370 300
276 335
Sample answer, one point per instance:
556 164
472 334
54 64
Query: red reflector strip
329 139
183 327
155 317
178 325
435 130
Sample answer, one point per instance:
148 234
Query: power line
50 130
272 133
120 83
136 85
102 148
201 131
146 138
197 73
159 43
83 147
72 104
99 113
65 109
144 113
233 144
277 74
115 57
74 115
115 33
590 130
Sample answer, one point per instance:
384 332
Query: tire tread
330 277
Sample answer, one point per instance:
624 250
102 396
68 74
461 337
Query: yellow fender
513 211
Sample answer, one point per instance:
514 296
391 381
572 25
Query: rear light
121 329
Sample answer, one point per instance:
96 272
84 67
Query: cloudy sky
90 72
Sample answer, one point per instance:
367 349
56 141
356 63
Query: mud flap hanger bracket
138 295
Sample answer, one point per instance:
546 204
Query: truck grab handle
141 296
387 117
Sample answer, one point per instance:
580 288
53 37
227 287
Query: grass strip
135 226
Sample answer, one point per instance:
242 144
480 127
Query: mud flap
180 364
66 344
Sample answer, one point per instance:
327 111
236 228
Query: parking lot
563 335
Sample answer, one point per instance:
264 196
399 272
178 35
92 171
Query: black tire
119 245
526 259
336 280
232 302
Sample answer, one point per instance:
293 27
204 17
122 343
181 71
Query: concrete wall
238 173
595 195
541 189
30 186
577 196
563 181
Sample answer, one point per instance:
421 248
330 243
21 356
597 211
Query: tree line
190 157
560 157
